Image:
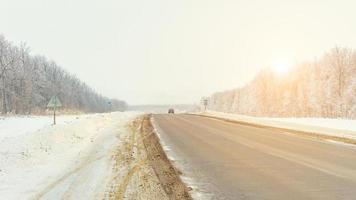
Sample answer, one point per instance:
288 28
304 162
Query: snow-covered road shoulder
71 160
339 129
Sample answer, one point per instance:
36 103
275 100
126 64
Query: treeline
325 87
28 82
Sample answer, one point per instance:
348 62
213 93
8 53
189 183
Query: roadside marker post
54 102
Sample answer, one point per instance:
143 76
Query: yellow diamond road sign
54 102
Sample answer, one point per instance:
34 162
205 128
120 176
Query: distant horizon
161 104
195 102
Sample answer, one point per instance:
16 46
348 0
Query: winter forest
325 88
28 82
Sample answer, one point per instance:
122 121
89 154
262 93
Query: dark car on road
171 111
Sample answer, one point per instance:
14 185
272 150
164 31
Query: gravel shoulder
141 168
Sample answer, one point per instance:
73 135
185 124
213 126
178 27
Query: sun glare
282 66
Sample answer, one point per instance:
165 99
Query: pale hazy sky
164 51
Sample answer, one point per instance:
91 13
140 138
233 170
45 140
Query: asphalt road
231 161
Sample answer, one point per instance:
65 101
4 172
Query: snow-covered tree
28 82
323 88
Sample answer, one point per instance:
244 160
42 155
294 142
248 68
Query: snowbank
332 127
70 160
20 125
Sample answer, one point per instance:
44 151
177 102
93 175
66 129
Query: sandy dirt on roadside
141 168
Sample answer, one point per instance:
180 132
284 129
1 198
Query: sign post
110 105
54 102
204 101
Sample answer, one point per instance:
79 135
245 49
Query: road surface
232 161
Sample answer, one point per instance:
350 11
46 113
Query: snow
20 125
70 160
334 127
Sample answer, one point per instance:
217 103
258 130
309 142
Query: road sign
54 102
204 101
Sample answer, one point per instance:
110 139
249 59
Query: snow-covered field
68 161
333 127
